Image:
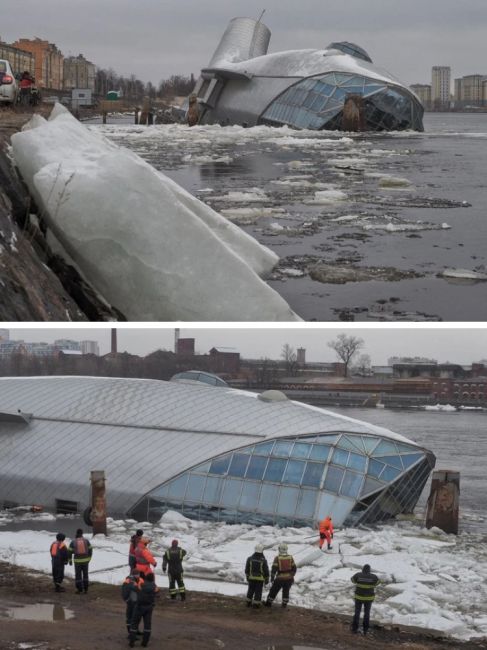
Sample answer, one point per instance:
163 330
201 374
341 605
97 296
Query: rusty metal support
442 507
98 502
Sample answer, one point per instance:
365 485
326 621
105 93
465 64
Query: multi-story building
471 90
4 335
440 87
67 344
49 62
90 347
79 73
20 60
423 91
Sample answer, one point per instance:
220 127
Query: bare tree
346 347
363 365
290 359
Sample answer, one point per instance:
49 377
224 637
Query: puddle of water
40 612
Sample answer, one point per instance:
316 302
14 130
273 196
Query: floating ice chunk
255 196
250 215
404 227
325 197
149 247
464 274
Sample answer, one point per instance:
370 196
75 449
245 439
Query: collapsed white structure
150 248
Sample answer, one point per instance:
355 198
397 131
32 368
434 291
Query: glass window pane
389 473
264 448
395 461
349 443
177 488
385 447
351 484
268 497
256 467
340 457
231 492
282 448
357 461
375 468
370 444
220 465
294 472
203 469
288 499
306 503
250 495
238 465
320 452
213 489
196 485
161 491
333 479
410 459
312 474
371 485
301 450
405 448
275 469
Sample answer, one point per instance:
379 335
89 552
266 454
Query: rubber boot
183 596
145 639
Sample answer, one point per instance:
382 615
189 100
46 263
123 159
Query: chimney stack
114 341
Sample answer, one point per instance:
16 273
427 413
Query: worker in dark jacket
365 583
130 589
282 575
257 574
173 562
146 597
59 559
134 540
81 551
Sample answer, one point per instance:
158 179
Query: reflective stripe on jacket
365 584
283 567
256 568
81 549
144 558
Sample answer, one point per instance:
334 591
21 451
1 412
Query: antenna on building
176 340
260 17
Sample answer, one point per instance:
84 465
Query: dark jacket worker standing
257 574
173 562
365 583
81 551
146 597
59 559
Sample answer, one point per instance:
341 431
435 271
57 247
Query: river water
365 224
459 441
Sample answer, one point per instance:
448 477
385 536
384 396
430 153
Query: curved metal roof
141 432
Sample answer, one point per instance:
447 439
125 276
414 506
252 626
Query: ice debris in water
147 246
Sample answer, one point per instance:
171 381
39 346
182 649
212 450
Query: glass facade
318 102
297 480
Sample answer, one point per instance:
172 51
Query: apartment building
440 86
20 60
49 62
79 73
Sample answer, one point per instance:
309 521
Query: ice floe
146 245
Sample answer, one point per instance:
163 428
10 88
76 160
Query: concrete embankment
35 283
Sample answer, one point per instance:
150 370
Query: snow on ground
428 579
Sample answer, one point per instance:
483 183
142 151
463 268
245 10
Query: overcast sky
444 344
154 39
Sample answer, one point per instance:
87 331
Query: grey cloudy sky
445 344
154 39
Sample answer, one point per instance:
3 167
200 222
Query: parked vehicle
9 87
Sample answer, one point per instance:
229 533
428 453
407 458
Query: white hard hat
282 548
259 548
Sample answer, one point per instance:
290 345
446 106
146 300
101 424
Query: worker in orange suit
144 560
326 532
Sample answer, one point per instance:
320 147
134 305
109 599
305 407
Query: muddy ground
204 621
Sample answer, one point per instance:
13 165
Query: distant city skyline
154 40
462 345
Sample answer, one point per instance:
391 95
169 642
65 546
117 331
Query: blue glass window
264 448
288 499
231 492
161 491
282 448
389 473
196 485
340 457
306 503
375 468
213 489
301 450
294 472
351 484
370 444
275 470
320 452
204 468
220 465
312 474
385 447
238 465
395 461
177 488
371 485
405 448
250 495
333 479
350 444
358 462
268 497
256 467
410 459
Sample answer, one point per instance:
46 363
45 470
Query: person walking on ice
365 583
257 574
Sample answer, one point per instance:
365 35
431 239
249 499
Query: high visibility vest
56 549
80 546
284 566
257 570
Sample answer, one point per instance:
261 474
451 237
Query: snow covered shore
429 579
146 245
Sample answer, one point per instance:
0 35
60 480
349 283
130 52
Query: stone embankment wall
35 284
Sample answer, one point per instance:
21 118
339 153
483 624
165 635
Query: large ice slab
149 247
